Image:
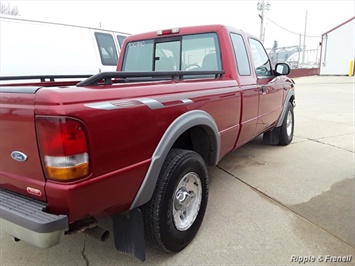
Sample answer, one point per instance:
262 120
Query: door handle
263 89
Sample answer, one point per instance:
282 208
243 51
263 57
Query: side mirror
282 69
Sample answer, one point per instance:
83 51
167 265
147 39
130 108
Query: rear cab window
195 52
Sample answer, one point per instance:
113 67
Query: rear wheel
175 212
287 127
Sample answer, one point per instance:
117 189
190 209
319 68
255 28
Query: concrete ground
268 205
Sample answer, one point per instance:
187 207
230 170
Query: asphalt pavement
268 205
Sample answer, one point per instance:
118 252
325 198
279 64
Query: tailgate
20 165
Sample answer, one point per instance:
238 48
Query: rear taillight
63 146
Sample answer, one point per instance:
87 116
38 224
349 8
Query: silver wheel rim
187 201
289 124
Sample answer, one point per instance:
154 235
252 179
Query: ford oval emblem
18 156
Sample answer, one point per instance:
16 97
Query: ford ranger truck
134 145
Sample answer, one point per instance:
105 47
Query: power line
308 36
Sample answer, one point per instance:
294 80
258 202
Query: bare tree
8 9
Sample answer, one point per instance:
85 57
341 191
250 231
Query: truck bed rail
106 77
42 80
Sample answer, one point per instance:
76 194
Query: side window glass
261 60
107 48
241 55
120 39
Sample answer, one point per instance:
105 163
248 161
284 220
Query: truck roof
182 31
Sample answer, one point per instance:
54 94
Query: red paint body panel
124 132
99 197
270 102
18 133
250 105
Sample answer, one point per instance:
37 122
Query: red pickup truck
135 144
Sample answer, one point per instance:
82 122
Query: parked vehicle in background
134 144
33 47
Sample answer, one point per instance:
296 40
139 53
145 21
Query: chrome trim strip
101 105
151 103
187 101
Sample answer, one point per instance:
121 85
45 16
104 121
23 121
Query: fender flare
174 131
289 95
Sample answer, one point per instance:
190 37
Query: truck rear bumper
25 218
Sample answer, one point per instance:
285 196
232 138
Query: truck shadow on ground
333 210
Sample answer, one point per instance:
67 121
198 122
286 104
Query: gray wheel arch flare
290 94
174 131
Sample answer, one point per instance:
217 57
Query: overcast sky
283 22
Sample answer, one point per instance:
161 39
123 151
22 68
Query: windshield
190 52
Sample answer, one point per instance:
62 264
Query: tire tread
151 210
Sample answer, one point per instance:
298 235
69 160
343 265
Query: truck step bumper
25 218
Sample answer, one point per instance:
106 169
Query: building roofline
338 26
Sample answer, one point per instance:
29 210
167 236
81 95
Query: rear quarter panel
124 128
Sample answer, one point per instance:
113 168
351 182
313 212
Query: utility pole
299 51
304 38
262 7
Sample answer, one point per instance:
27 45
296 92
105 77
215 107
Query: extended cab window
107 48
261 60
241 55
190 52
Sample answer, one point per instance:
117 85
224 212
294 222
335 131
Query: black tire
287 127
161 226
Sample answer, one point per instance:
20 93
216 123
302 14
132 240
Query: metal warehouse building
338 50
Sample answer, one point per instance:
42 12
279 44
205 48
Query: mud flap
128 230
272 137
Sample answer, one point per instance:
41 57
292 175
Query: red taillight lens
64 149
168 31
61 136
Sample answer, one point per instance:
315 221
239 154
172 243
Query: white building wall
338 49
